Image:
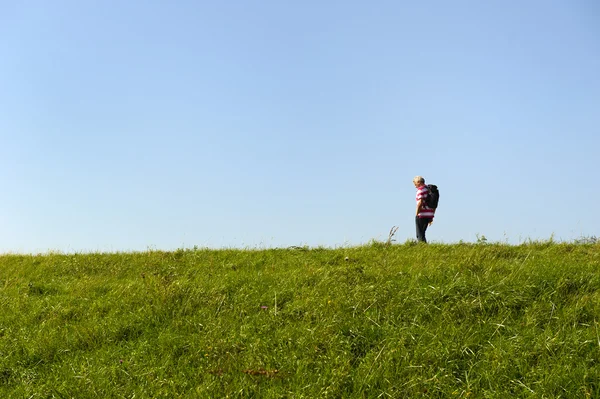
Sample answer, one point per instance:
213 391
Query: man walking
424 214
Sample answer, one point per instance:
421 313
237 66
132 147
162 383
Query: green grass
376 321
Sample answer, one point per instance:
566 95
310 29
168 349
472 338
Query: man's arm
419 206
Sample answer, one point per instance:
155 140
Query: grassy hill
376 321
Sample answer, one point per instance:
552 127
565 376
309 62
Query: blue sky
128 125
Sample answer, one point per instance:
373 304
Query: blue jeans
422 224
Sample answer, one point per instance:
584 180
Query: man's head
418 181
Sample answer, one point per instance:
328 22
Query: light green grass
376 321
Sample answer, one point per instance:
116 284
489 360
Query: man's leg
421 227
422 224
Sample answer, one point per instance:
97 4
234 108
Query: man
424 214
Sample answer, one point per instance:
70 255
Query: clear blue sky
128 125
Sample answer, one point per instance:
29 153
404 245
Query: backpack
433 198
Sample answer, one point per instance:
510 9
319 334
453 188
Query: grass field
375 321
